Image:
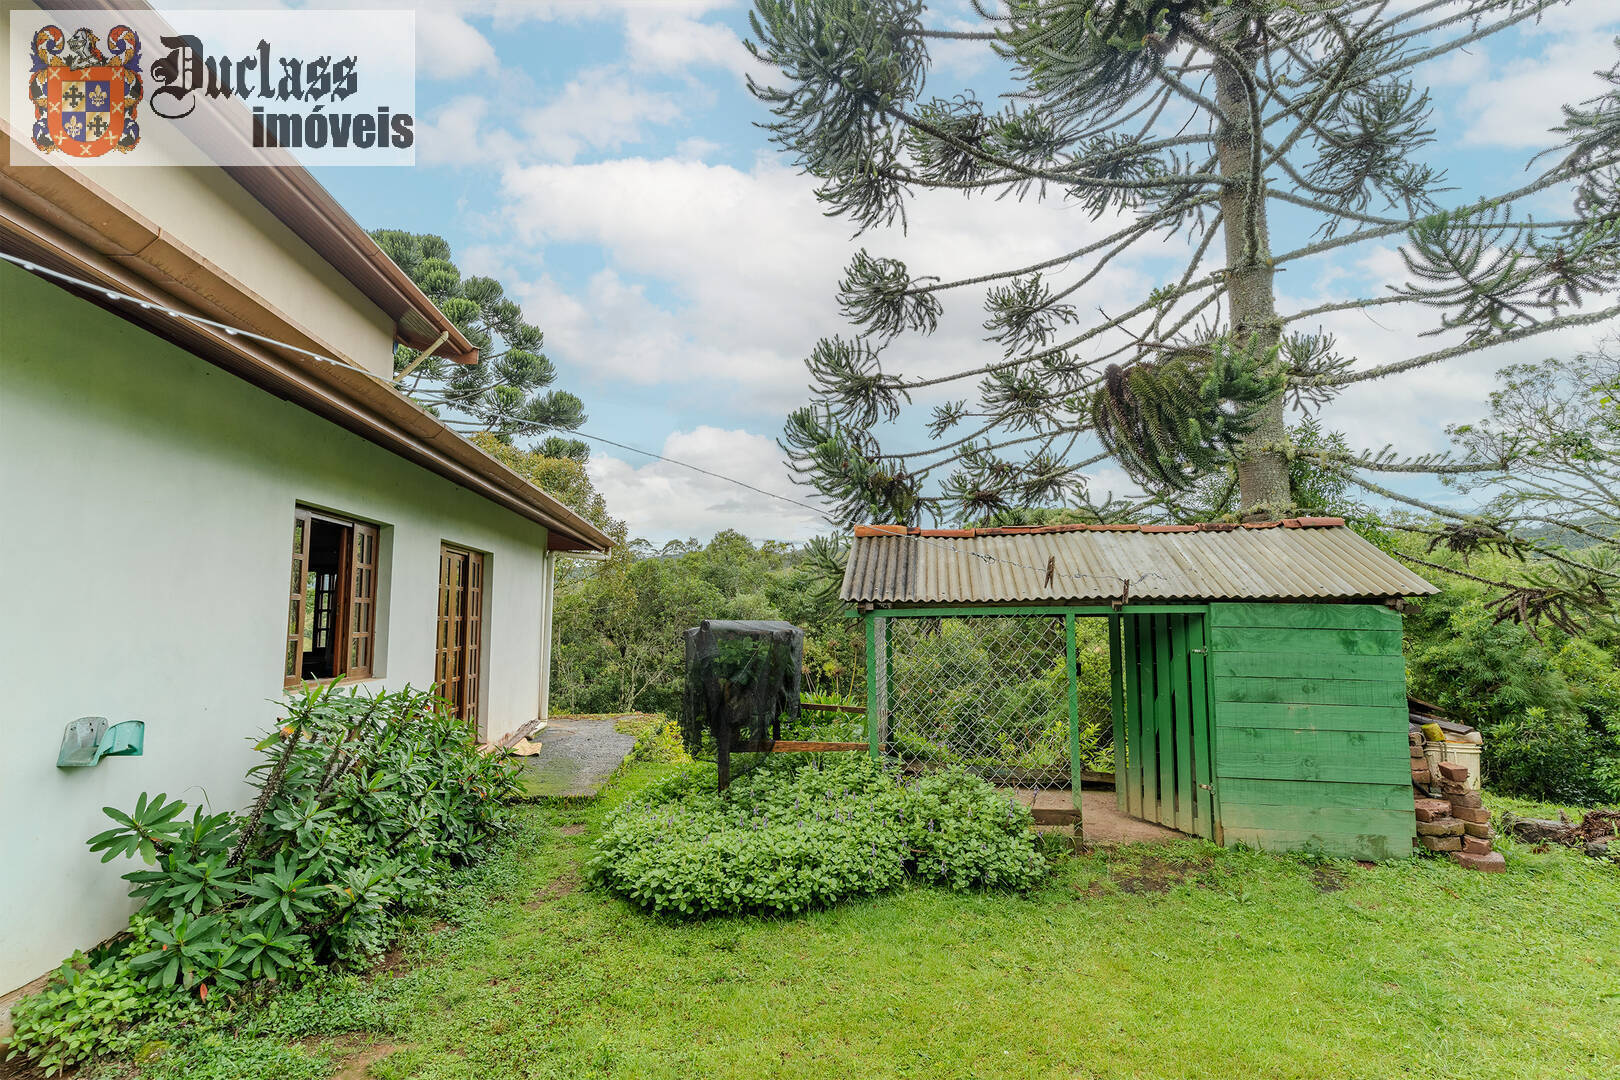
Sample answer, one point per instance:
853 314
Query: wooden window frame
353 625
458 637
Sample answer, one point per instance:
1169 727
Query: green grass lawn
1178 962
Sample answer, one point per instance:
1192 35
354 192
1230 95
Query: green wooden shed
1257 682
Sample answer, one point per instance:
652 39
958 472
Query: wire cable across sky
236 331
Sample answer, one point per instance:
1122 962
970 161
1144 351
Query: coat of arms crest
85 101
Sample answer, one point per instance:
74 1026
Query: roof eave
59 218
299 201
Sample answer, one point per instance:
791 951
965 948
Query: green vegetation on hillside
1176 962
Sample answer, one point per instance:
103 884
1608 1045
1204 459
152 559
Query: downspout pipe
548 604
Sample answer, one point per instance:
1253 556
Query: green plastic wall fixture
88 739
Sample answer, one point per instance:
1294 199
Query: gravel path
577 755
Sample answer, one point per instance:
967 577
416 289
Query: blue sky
600 159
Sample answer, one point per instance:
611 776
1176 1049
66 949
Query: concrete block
1493 863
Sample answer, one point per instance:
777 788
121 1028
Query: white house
177 496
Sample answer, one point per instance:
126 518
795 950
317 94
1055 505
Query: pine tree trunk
1250 289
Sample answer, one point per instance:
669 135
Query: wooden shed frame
1280 725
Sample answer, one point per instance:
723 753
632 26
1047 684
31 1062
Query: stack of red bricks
1457 822
1420 765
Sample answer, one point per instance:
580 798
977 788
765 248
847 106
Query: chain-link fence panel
987 693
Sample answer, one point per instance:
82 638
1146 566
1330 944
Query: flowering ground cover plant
364 805
794 835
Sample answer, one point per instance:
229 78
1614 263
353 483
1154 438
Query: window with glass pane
331 614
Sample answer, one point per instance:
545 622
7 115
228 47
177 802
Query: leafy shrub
85 1012
1478 669
1547 715
964 833
660 741
1555 757
796 835
364 804
1606 774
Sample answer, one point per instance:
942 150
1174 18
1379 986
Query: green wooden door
1163 765
1310 728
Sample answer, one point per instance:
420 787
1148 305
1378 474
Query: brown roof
295 197
1295 559
61 219
289 192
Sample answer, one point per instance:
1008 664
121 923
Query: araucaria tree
506 393
1262 134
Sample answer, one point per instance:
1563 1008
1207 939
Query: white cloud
1410 411
449 47
454 134
696 148
1517 107
660 500
664 41
598 110
723 279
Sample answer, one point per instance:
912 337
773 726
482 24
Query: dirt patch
571 830
391 961
1155 875
1328 879
555 889
358 1067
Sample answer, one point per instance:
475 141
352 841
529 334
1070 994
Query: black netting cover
741 679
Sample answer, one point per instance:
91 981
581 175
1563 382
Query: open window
331 610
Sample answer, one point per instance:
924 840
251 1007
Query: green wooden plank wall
1310 728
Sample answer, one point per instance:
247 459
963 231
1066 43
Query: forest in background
1522 641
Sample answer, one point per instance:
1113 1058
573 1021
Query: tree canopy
1265 135
506 393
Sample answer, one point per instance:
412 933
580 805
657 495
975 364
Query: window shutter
475 638
290 674
362 614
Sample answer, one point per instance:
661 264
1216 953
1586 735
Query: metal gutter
298 201
67 223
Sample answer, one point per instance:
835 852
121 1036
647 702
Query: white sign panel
183 87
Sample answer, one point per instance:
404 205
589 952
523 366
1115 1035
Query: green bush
86 1012
1548 711
660 742
1555 757
364 804
799 834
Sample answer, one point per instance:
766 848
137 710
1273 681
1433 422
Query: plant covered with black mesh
803 833
742 681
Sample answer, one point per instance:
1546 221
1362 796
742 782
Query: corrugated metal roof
1298 559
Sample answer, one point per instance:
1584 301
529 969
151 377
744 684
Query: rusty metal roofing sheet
1302 559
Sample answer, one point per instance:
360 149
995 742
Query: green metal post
1075 768
1116 701
886 706
1203 737
871 686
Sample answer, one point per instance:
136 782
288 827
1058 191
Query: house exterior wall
209 212
149 500
1310 728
